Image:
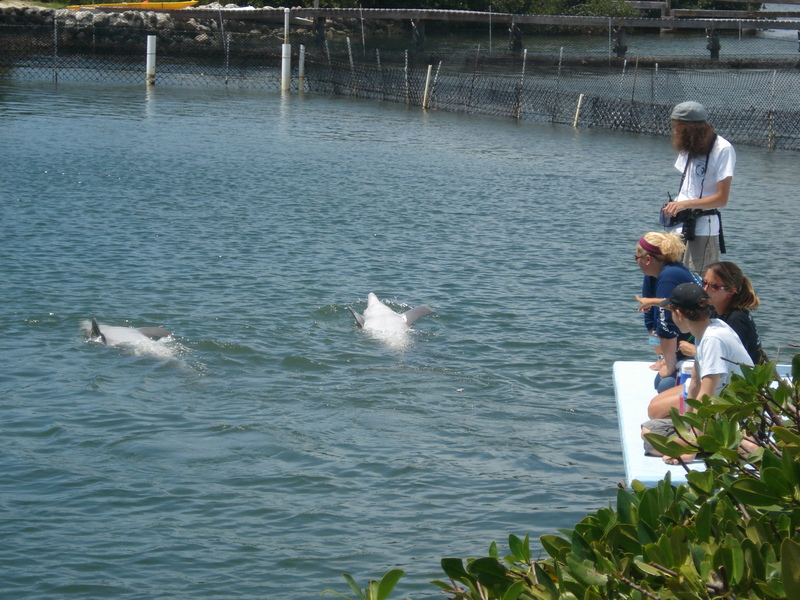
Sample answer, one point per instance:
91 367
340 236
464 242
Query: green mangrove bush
730 532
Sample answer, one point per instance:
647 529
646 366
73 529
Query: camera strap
712 211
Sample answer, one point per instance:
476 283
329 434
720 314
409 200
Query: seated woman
732 296
719 350
658 255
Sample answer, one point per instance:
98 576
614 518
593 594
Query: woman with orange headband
658 255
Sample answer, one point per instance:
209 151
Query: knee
654 410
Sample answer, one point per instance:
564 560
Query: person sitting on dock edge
720 353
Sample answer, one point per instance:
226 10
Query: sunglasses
714 286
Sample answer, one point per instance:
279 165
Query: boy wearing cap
707 161
720 353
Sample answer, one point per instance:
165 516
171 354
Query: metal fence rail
749 106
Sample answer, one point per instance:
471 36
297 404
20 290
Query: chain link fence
583 86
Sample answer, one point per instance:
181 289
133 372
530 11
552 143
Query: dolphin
380 318
114 336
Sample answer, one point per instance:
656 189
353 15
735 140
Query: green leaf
454 569
520 549
514 591
649 511
584 571
777 481
733 559
662 444
353 585
388 581
556 547
703 482
790 564
679 546
581 547
627 506
543 579
491 574
787 437
754 492
647 568
646 534
796 368
703 523
447 587
493 551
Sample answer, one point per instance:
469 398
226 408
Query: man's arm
716 200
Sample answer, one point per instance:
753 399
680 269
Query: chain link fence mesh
583 86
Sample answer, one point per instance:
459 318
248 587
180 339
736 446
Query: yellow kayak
140 5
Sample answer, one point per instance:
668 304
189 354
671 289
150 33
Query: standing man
707 161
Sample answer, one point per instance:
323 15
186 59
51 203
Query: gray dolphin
113 336
379 317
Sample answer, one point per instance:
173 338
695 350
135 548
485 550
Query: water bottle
684 378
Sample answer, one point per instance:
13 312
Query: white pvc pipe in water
150 72
286 67
578 111
286 55
427 87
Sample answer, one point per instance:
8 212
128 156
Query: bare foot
685 458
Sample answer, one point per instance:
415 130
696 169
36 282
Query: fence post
771 117
427 87
301 69
150 70
556 100
286 54
407 90
353 82
55 50
521 81
577 112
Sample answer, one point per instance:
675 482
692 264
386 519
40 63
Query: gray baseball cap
689 111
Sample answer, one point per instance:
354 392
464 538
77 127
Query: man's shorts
661 427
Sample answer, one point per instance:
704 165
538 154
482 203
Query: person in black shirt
733 297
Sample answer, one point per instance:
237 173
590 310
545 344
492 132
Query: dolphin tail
154 333
359 319
95 333
415 313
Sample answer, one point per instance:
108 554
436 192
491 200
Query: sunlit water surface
272 445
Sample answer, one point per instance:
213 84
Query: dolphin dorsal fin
359 319
95 332
416 313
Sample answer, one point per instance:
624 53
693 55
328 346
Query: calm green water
272 445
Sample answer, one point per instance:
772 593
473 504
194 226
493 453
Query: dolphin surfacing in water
114 336
381 319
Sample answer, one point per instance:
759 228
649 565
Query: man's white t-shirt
721 342
721 163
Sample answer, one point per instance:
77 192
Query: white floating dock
633 387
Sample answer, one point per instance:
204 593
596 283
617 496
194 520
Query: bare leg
660 405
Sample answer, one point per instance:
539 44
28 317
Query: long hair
731 275
695 137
